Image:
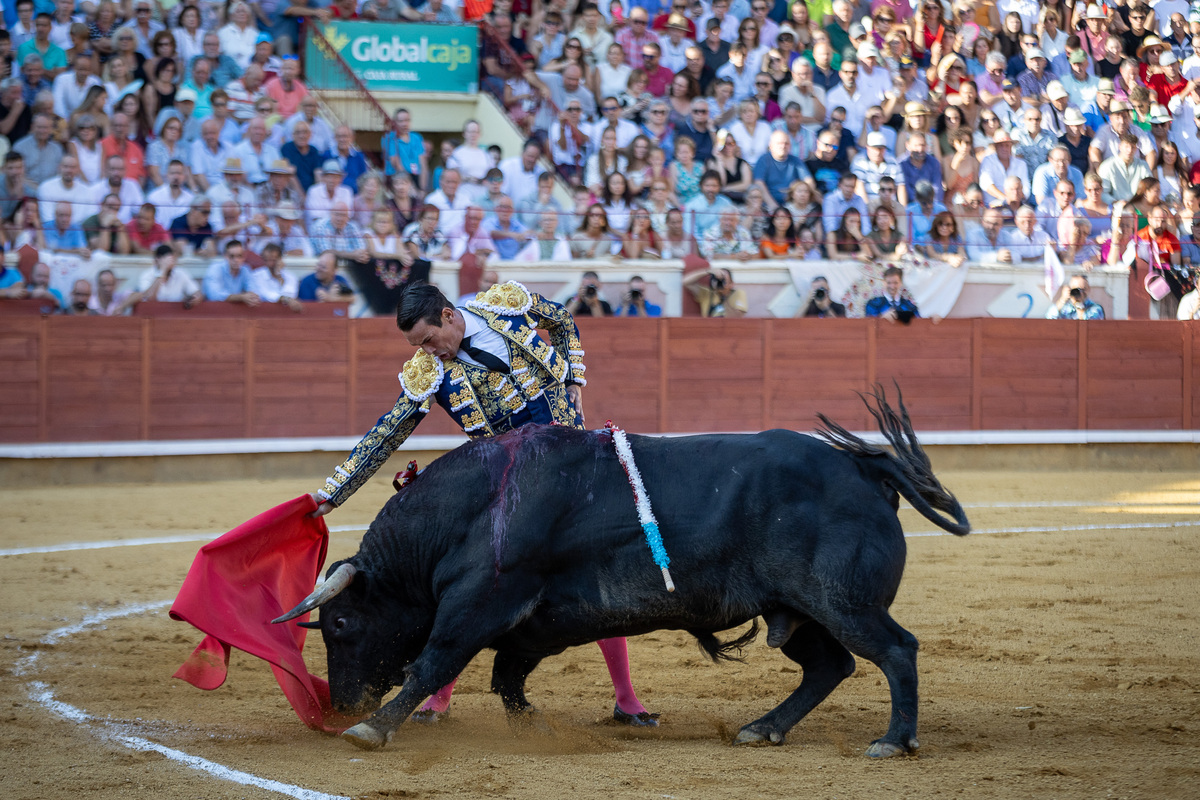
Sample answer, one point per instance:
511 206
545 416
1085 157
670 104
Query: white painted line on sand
41 694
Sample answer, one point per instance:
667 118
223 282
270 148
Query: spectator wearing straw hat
280 187
232 187
999 165
283 229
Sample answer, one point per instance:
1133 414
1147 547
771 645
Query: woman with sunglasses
658 129
85 148
1092 205
944 242
928 28
751 38
572 54
593 239
952 120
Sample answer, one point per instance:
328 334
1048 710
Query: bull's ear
312 626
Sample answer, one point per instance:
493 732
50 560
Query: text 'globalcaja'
372 48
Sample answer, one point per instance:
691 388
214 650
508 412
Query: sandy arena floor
1058 659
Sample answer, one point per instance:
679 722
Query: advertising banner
397 57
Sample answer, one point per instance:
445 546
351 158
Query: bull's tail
907 470
717 650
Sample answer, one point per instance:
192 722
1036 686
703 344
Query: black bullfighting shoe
643 720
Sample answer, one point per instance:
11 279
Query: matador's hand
575 393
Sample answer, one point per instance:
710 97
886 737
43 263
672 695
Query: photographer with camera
894 304
1073 302
634 302
715 292
587 300
819 303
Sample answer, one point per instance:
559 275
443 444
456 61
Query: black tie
493 363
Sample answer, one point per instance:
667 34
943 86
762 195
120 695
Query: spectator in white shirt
327 192
71 87
996 167
1027 242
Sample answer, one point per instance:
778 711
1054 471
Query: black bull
529 543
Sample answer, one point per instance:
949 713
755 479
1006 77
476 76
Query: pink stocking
439 703
616 656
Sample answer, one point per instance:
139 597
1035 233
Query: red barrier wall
80 378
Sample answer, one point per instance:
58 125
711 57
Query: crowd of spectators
982 130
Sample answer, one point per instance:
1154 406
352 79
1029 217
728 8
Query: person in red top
145 234
117 143
287 90
1169 82
658 77
344 9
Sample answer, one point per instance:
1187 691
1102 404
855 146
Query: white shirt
674 58
1163 10
130 193
239 44
174 289
318 203
519 184
67 93
626 132
472 162
51 192
453 213
873 84
1027 9
482 337
993 174
270 289
753 143
855 105
166 207
1026 248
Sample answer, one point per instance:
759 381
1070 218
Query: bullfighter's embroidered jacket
483 403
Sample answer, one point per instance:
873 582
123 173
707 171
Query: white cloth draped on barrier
934 285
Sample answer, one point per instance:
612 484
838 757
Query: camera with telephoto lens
635 295
820 294
716 282
1076 294
589 291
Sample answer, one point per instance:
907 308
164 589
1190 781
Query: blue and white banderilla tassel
642 501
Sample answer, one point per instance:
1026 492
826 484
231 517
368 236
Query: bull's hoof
882 749
427 716
755 738
364 736
643 719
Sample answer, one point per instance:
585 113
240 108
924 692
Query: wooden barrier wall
88 379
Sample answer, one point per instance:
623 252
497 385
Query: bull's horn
337 582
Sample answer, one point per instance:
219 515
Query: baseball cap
857 30
1167 58
1159 114
1077 57
1034 52
876 139
867 50
332 165
186 95
906 62
1055 90
1010 84
288 210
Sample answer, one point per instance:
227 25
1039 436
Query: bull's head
369 640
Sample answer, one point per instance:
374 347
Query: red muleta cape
243 580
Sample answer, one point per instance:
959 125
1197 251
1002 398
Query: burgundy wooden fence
78 379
